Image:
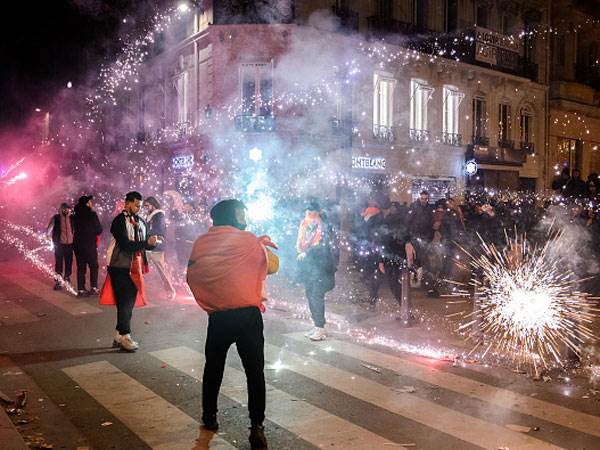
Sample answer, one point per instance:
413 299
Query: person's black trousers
244 327
63 259
316 302
125 292
393 273
86 258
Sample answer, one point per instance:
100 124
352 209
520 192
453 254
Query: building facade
451 81
574 141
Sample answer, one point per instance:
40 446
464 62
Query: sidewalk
10 438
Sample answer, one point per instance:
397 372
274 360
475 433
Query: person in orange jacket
226 273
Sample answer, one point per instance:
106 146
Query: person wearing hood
87 231
61 225
226 273
318 258
157 226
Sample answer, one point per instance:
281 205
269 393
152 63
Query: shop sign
181 162
368 163
496 49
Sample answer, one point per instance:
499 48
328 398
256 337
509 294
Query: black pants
244 327
393 272
63 259
125 292
86 258
316 302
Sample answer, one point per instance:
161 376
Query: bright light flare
531 310
16 178
260 209
183 8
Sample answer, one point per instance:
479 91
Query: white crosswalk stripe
312 424
455 423
69 303
154 420
504 398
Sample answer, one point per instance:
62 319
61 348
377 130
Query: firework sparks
530 309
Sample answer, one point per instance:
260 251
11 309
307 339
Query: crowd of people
228 265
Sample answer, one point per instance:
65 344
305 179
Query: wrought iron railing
454 139
253 123
384 133
419 135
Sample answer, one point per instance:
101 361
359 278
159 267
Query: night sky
46 43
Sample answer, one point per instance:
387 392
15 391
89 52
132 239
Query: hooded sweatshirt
227 269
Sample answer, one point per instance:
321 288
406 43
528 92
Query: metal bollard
406 306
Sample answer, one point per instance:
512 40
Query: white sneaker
318 335
310 332
128 344
116 340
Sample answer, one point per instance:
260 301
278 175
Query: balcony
419 135
253 123
496 155
384 133
453 139
527 147
506 143
464 47
480 140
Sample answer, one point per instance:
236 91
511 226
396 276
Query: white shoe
318 335
310 332
128 344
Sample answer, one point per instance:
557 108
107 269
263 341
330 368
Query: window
481 19
508 23
526 126
257 89
568 154
503 125
182 87
383 103
451 15
451 103
420 93
479 121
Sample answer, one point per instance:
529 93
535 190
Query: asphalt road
339 393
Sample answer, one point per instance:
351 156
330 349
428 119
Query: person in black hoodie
395 251
62 240
87 230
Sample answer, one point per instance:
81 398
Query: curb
10 438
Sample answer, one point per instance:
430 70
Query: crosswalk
162 425
320 394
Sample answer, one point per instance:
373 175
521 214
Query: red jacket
227 269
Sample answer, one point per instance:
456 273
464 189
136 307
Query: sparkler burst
530 309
